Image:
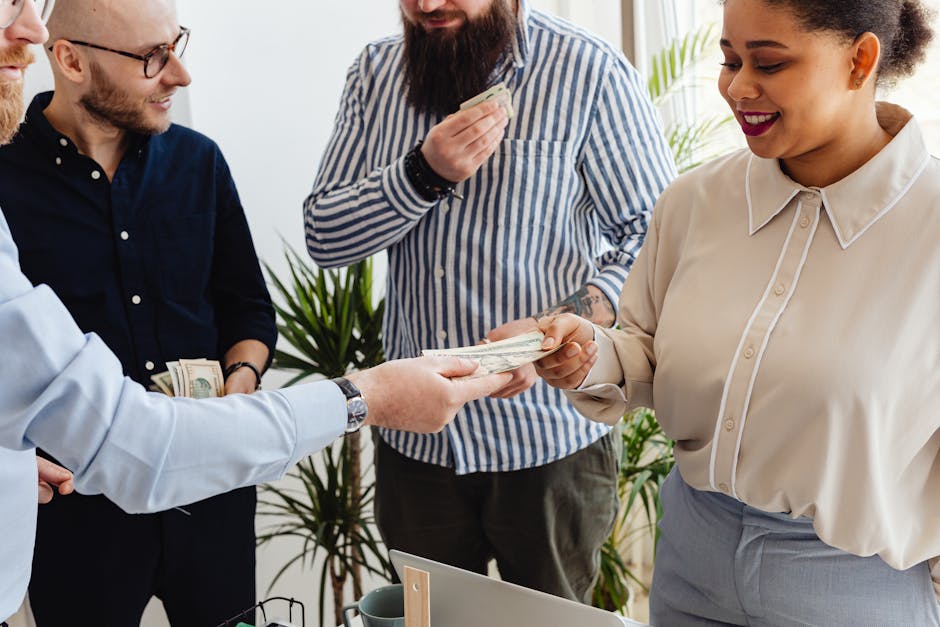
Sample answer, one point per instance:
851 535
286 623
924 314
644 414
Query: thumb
451 367
470 389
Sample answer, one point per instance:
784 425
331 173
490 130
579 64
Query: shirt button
442 335
58 160
63 141
780 289
723 487
439 272
729 424
748 352
149 365
125 235
135 299
95 174
804 222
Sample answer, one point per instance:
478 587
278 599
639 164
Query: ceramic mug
382 607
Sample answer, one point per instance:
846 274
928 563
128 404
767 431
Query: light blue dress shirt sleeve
65 392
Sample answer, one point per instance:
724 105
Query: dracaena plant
331 324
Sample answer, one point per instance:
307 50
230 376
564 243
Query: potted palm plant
647 452
332 324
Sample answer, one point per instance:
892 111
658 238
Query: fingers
458 146
523 378
568 367
451 367
565 328
470 389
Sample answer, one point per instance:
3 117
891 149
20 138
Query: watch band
356 408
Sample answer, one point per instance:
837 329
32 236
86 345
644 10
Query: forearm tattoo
587 303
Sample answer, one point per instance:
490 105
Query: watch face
356 413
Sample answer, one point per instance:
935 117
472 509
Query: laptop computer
460 598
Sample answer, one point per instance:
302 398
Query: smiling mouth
754 124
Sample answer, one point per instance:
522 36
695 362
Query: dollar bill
163 382
500 356
498 92
192 378
201 378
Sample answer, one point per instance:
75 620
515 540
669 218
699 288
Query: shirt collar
859 200
520 44
37 128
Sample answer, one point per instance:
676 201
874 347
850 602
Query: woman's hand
567 368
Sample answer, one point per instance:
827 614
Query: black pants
96 565
544 526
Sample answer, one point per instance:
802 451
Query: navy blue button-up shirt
159 262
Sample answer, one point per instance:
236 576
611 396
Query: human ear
866 52
66 58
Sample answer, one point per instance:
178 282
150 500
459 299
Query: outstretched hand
567 368
52 476
420 394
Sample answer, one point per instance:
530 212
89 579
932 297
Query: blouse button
780 289
804 222
58 160
125 235
135 299
149 365
95 174
729 424
748 352
63 141
723 487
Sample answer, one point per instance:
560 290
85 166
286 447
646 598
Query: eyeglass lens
10 10
159 59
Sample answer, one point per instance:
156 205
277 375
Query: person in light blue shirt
65 391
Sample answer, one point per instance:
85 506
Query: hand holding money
457 147
501 356
567 368
191 378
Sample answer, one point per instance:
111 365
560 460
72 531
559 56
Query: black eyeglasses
155 60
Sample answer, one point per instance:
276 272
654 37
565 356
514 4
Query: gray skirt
720 562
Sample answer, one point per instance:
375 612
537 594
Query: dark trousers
544 526
96 565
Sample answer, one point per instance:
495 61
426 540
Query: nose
28 27
428 6
175 73
743 86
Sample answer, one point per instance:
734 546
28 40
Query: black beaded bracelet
245 364
429 184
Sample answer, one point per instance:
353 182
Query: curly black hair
902 26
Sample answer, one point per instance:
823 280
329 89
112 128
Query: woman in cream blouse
783 319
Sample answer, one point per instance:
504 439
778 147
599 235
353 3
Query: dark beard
443 69
107 104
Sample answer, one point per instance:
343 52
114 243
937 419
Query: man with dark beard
137 226
489 224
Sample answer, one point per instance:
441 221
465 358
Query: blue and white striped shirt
563 203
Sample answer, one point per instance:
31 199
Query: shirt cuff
319 415
402 196
607 369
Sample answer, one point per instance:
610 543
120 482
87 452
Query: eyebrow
759 43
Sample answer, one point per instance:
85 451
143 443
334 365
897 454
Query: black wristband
244 364
429 184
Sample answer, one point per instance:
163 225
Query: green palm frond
671 67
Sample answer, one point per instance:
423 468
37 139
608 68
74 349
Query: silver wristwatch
356 408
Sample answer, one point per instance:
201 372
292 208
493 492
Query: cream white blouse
789 340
